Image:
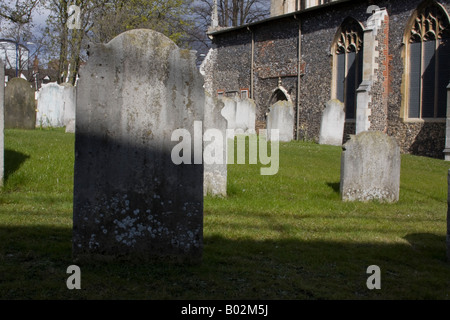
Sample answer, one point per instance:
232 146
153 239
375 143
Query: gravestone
281 118
229 113
130 200
215 149
370 168
50 106
448 217
332 125
20 105
69 98
55 105
245 116
2 123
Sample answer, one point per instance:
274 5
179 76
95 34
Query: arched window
348 52
428 63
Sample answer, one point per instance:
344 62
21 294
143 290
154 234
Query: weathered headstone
2 123
229 113
215 148
20 106
130 200
281 118
332 125
55 105
370 168
50 106
245 116
69 98
448 217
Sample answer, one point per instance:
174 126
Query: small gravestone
50 106
2 122
448 218
229 113
332 125
20 106
370 168
281 118
245 116
69 99
215 148
55 105
131 201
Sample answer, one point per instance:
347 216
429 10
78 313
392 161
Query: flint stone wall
130 200
370 168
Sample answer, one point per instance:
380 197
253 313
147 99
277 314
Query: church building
387 61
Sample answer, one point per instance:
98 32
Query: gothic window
348 64
429 63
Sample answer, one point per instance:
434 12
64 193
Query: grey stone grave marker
130 200
370 168
332 125
20 105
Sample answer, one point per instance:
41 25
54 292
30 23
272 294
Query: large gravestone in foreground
20 105
130 200
370 168
2 122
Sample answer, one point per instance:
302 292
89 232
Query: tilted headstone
2 123
370 168
281 118
130 200
215 148
20 105
332 125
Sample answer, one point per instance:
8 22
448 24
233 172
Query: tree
18 11
102 20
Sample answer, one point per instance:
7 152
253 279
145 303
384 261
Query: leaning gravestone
2 122
281 118
332 125
215 149
370 168
20 106
130 200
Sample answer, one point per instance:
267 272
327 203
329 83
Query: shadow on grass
34 262
336 186
13 161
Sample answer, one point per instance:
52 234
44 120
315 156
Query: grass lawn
287 236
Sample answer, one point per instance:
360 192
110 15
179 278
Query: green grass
287 236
